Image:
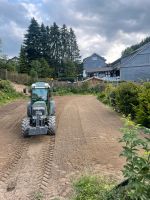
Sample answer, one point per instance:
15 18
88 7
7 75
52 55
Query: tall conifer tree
55 47
23 65
74 50
64 43
32 41
48 50
43 41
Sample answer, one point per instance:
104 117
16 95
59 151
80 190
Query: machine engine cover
39 107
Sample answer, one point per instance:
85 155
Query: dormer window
94 58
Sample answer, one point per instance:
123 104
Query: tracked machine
41 117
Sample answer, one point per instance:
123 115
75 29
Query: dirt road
86 141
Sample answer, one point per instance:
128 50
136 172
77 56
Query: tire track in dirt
11 143
5 172
45 164
60 106
32 167
28 161
86 142
48 159
68 154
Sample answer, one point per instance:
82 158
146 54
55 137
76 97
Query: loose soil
19 87
45 166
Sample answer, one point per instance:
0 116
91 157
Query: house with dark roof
94 61
95 65
14 59
136 66
133 67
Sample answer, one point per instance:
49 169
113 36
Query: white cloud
16 30
114 52
89 43
105 27
11 39
33 11
110 49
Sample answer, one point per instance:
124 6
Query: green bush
7 92
129 99
136 150
71 79
62 91
75 89
108 95
147 85
102 97
142 111
126 98
5 86
92 188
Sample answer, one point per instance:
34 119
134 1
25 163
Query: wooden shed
93 81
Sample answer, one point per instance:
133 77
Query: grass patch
8 93
92 188
38 196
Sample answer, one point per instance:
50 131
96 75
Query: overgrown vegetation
7 92
92 188
84 88
143 108
136 150
129 99
136 171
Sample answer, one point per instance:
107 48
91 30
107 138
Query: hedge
129 99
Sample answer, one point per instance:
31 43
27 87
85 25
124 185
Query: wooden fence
25 79
15 77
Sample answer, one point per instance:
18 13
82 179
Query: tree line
131 49
50 51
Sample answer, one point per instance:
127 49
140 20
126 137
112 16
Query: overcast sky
105 27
